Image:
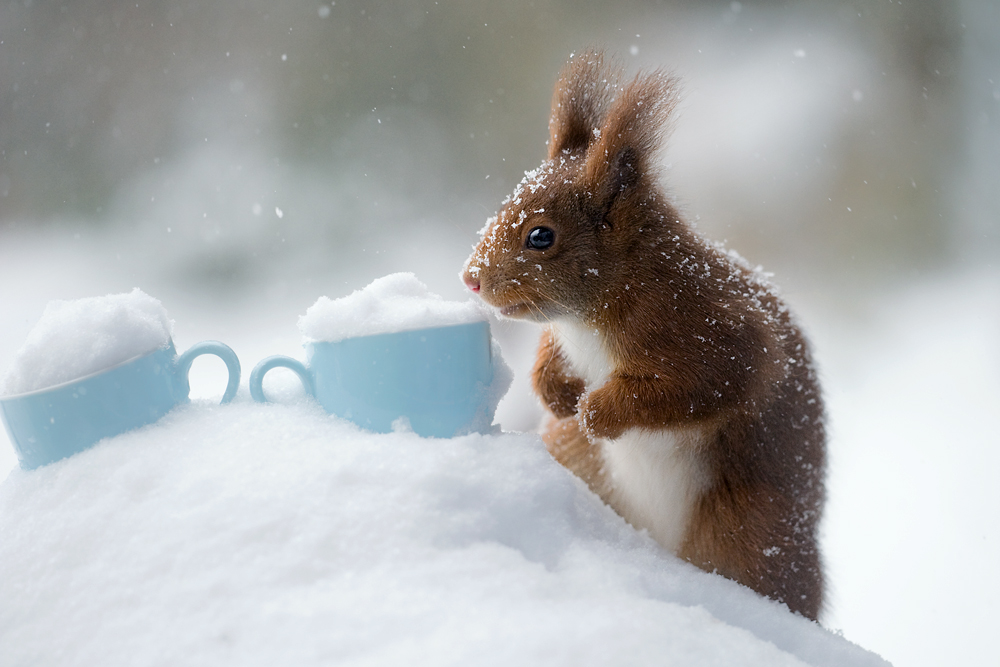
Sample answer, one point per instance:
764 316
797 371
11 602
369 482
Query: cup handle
222 351
261 369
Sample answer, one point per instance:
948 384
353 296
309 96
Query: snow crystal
397 302
74 339
250 534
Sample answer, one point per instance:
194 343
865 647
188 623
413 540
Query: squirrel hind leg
732 535
570 447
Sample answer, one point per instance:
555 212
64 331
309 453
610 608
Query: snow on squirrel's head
397 302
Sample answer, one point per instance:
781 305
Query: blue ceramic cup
437 378
50 424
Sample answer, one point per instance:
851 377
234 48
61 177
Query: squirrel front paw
561 398
597 418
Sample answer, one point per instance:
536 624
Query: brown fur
554 381
694 338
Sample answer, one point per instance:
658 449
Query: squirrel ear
631 134
580 102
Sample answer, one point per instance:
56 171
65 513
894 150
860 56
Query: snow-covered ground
247 534
263 535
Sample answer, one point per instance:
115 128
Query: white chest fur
656 476
585 351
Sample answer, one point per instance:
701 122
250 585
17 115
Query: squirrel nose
471 282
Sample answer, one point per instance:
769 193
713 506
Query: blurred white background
239 159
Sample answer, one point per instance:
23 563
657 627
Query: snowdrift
251 534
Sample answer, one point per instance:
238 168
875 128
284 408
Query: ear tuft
580 101
631 134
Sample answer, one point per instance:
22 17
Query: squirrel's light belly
655 475
655 479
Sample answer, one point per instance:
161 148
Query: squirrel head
572 224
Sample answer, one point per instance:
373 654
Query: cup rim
168 345
311 341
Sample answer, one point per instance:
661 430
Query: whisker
541 313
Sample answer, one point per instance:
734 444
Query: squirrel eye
540 238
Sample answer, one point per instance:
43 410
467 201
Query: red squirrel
680 388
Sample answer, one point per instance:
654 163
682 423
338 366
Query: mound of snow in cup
397 302
74 339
